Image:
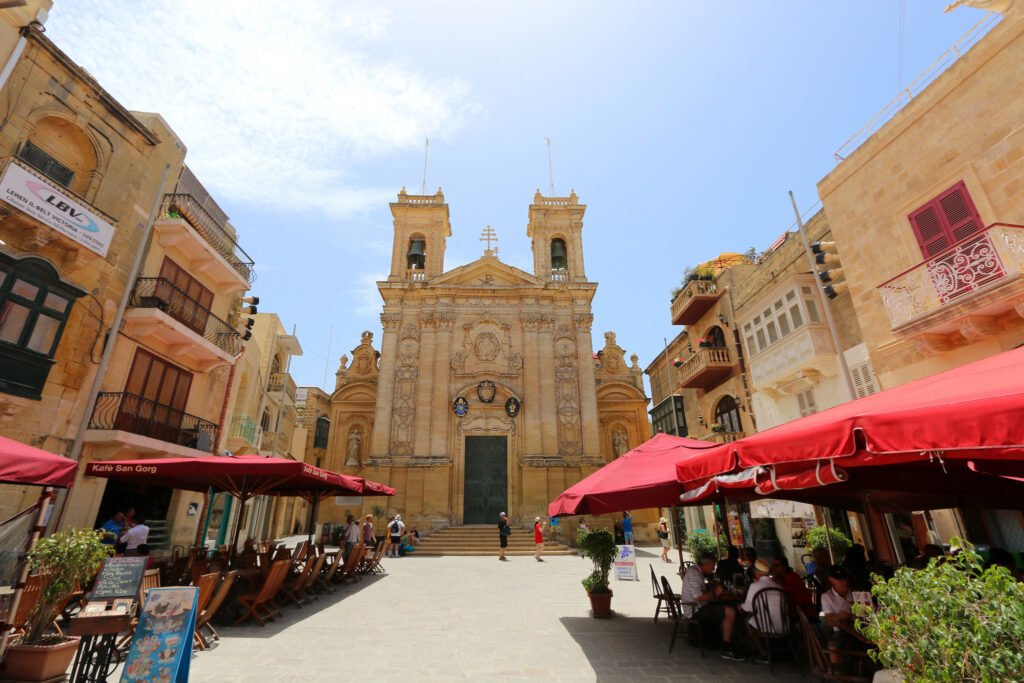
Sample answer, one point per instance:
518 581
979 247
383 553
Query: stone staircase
483 540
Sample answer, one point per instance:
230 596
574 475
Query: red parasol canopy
24 464
642 478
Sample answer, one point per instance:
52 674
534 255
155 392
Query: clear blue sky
680 124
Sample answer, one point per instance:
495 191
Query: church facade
485 394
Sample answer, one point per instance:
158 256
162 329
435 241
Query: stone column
440 404
390 320
588 385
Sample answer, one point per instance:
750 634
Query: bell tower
421 226
556 230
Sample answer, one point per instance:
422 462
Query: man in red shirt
791 582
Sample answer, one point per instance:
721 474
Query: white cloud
262 91
363 297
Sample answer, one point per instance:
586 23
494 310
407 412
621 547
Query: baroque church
485 394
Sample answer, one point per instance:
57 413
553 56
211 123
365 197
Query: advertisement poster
162 648
625 563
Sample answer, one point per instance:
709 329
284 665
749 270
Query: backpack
394 527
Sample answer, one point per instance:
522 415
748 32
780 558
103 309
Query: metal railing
155 292
138 415
187 207
984 258
243 427
282 381
918 85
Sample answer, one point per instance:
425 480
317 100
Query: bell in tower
559 260
416 258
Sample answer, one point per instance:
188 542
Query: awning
24 464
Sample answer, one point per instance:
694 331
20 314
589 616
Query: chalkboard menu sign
119 577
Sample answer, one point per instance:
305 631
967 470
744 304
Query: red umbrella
23 464
642 478
972 412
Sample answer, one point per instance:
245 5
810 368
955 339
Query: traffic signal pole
824 301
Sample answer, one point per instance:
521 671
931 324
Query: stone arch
355 424
718 338
77 148
727 413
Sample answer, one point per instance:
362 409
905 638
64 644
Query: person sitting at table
837 602
700 603
729 566
747 559
856 562
791 582
762 579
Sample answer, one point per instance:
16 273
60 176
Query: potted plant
717 427
599 546
68 560
952 621
840 542
705 342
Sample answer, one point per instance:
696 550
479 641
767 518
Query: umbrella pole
679 537
315 502
242 497
828 533
44 504
723 509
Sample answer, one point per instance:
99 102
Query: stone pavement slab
473 618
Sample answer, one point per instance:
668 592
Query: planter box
601 605
38 662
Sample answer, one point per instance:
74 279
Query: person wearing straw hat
664 535
762 573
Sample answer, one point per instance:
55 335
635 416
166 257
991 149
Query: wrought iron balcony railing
978 263
155 292
130 413
187 207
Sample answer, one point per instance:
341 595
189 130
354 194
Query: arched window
416 255
727 413
275 365
323 428
717 337
61 151
34 308
559 256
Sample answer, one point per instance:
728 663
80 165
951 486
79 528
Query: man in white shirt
395 528
135 536
351 535
699 604
837 604
762 574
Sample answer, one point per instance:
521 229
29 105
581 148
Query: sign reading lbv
625 563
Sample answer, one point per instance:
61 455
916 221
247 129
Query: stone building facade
485 395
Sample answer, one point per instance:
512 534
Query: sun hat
761 566
502 515
536 519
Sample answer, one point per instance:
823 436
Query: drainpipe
75 451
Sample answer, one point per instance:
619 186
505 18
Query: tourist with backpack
504 531
395 529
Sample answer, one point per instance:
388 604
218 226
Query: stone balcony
807 349
706 368
723 437
281 383
956 296
697 297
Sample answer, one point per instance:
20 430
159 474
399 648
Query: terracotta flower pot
601 605
38 662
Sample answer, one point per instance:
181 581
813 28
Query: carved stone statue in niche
619 442
355 437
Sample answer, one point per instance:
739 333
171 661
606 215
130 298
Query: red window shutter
947 219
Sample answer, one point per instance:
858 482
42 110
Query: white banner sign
44 202
772 508
348 500
625 563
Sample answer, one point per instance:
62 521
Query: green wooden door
486 488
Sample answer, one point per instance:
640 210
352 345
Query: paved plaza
472 618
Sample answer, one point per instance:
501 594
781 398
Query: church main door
486 488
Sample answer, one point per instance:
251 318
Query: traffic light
832 278
246 307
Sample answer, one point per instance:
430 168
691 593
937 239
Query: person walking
538 536
368 537
664 536
627 527
504 531
351 535
395 529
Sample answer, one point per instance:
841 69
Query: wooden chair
774 620
659 595
293 587
207 613
373 566
263 599
678 618
301 551
820 661
150 579
282 553
29 597
350 571
307 586
207 582
324 581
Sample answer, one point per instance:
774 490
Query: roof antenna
551 173
426 150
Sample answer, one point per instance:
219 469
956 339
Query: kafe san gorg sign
45 203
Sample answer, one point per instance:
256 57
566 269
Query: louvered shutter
805 399
928 229
958 210
945 220
863 380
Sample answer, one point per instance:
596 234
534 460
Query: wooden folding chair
293 588
350 571
150 579
207 613
327 576
821 662
263 599
373 565
318 566
679 618
207 582
29 597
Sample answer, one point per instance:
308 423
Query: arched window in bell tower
559 257
416 255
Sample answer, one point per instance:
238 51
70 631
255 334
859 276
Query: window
717 337
46 164
945 220
780 319
265 421
559 256
34 308
155 397
727 413
323 428
863 380
662 420
178 307
805 400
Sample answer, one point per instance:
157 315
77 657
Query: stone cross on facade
488 235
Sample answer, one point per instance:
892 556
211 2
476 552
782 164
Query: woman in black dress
503 532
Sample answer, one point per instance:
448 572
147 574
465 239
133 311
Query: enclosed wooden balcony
706 368
956 295
696 299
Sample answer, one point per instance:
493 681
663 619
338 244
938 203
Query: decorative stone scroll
487 347
403 406
567 398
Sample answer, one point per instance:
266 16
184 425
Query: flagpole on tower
426 150
551 173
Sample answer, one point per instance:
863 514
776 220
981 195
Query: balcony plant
717 427
952 621
68 559
599 547
705 342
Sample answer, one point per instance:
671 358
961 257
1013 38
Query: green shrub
598 546
949 622
699 542
840 541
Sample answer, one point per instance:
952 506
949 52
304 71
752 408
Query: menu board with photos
119 577
162 647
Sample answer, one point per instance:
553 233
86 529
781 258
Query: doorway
485 492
